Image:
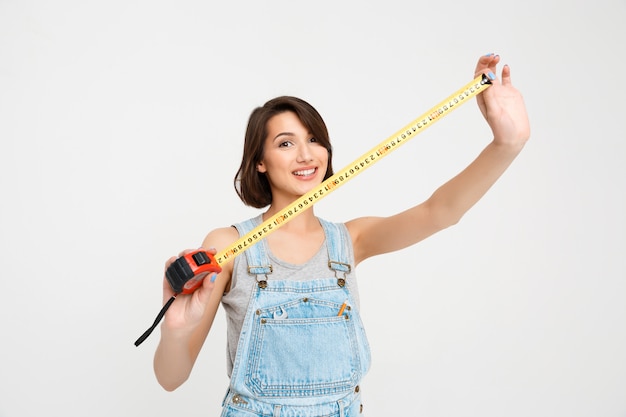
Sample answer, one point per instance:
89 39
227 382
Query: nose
304 153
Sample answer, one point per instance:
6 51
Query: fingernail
491 76
489 54
213 277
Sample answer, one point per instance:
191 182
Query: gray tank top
235 302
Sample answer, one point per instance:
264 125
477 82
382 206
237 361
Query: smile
305 172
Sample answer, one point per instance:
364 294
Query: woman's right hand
187 311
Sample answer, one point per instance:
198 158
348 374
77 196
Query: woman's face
293 161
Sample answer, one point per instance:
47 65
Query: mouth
305 172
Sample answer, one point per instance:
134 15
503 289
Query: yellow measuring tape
359 165
478 85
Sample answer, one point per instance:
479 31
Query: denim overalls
300 354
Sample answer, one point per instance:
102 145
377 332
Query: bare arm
503 108
189 319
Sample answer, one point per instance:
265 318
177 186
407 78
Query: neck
304 220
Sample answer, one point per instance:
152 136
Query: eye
314 140
284 144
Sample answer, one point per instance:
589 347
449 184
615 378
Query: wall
121 125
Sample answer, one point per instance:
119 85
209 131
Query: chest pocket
301 347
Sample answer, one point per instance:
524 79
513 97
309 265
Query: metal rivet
341 282
357 389
263 321
305 299
258 312
238 400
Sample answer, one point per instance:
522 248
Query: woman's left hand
502 105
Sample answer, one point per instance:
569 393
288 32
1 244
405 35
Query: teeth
305 172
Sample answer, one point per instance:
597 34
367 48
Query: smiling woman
121 129
253 187
295 292
293 159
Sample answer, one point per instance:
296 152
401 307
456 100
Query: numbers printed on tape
186 274
475 87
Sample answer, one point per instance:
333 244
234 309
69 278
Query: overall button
238 400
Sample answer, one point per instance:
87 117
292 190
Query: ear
261 168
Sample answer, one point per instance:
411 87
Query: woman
295 292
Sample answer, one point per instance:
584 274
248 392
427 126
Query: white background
121 127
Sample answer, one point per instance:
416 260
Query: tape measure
185 275
369 158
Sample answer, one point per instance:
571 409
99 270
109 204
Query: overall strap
338 259
256 255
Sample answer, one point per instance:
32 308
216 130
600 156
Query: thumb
205 290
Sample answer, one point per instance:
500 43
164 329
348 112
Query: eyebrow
290 134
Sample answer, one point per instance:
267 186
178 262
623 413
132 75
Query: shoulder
221 237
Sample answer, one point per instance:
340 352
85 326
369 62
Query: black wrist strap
156 321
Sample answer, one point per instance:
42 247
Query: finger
185 252
506 75
486 63
170 261
483 62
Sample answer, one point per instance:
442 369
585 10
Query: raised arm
503 107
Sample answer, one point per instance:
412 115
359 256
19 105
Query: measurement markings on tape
393 142
186 274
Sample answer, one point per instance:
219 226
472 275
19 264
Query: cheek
322 154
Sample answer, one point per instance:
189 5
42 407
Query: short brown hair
251 185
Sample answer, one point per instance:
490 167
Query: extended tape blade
393 142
